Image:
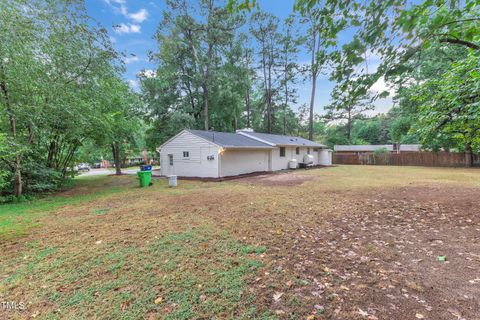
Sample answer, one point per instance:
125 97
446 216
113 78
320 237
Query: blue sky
132 23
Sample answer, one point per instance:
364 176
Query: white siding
281 163
234 162
303 151
196 165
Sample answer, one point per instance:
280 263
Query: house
210 154
370 148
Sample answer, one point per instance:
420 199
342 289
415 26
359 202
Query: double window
282 151
186 154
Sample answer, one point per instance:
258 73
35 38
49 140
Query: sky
131 25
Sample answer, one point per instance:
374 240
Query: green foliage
380 151
450 107
59 81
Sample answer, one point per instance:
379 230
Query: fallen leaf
158 300
362 312
277 296
419 316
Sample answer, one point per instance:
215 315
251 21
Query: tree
49 60
205 33
321 39
451 105
264 28
392 32
120 108
52 60
349 103
288 68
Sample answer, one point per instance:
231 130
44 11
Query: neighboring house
370 148
209 154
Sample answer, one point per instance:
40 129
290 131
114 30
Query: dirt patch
375 257
278 179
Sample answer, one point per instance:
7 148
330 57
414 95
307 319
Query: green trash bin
144 177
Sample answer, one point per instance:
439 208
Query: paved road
102 171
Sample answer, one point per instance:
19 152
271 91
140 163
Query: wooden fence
428 159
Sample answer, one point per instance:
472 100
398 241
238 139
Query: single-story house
210 154
370 148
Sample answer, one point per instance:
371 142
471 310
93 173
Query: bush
39 179
380 151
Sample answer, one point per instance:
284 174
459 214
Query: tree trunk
247 104
205 105
312 103
286 100
468 155
314 70
17 182
349 127
269 111
116 157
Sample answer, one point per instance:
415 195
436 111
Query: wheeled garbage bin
145 178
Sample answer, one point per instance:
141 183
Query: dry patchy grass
350 242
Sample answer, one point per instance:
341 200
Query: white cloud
123 10
131 59
134 84
381 86
135 28
127 28
119 7
139 16
110 2
147 73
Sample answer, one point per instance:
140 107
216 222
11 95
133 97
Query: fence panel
428 159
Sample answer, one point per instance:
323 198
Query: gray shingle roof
280 140
230 140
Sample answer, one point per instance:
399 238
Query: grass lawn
350 242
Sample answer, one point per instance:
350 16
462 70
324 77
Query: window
170 159
308 150
186 154
282 151
297 150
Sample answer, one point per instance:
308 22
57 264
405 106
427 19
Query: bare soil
372 254
278 179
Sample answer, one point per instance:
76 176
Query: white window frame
187 156
284 152
170 159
